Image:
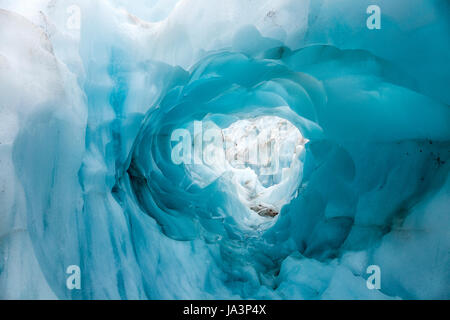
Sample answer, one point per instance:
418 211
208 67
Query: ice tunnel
224 150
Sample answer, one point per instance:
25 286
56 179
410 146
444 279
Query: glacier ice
91 92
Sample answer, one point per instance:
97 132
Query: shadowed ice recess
360 118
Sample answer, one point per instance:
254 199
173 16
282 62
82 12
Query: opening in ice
262 158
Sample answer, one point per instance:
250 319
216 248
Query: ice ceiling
92 94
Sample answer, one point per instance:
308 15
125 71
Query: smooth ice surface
91 92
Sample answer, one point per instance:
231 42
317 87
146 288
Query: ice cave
203 149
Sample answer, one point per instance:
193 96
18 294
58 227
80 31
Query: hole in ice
261 158
264 157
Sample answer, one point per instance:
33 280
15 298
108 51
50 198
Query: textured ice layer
91 92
